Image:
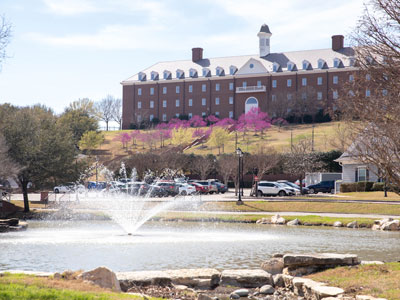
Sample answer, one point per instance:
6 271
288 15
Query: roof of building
296 57
265 28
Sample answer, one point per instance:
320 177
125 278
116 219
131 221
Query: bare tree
263 161
5 36
370 102
104 109
117 112
305 103
203 165
227 166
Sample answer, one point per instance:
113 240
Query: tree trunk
106 125
25 193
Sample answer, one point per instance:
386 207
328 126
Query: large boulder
128 280
273 266
338 224
294 222
353 224
102 277
198 278
245 278
278 220
390 225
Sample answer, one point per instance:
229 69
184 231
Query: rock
298 284
278 220
128 280
364 297
277 255
319 259
383 221
245 278
294 222
241 292
102 277
338 224
301 271
234 296
180 287
203 296
288 280
376 227
267 290
390 225
371 262
278 280
199 278
273 266
326 291
263 221
353 224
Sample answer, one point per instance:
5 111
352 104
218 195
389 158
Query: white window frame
190 102
164 103
151 104
320 80
151 118
177 89
231 114
164 90
151 91
274 83
273 97
217 87
335 94
177 103
139 104
217 101
204 87
335 79
244 84
319 95
203 114
304 81
231 86
289 83
230 100
203 101
139 91
190 115
164 117
190 88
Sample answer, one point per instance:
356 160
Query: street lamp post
239 153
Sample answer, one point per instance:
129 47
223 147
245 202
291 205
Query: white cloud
70 7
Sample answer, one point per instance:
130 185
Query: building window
319 80
190 102
217 101
289 96
217 113
190 115
177 115
231 86
351 78
274 83
177 103
319 95
217 86
251 66
259 83
203 88
335 95
304 96
367 93
304 81
177 89
139 91
273 97
335 80
190 88
151 91
203 101
151 104
164 90
244 84
289 82
231 114
164 103
164 117
203 114
362 174
230 100
139 118
151 117
139 104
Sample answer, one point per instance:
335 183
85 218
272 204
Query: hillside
279 138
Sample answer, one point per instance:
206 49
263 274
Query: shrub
362 186
348 187
378 186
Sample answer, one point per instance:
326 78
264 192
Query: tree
203 165
5 36
91 140
263 161
180 136
41 146
8 167
227 166
85 105
219 136
104 109
305 104
124 138
116 112
370 102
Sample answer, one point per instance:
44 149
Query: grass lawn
376 280
376 196
25 287
323 207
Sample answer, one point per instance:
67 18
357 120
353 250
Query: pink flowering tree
226 123
254 120
211 119
124 138
134 135
279 122
197 121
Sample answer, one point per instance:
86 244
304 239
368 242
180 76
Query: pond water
58 246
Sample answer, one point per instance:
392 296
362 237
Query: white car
69 188
186 189
274 188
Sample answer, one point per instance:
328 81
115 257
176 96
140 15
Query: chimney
337 42
197 54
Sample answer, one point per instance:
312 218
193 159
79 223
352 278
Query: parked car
152 190
186 189
212 186
69 187
294 186
201 189
170 186
323 187
131 188
273 189
222 188
99 185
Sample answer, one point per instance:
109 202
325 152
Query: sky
63 50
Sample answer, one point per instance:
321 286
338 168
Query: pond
58 246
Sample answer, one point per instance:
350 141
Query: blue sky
62 50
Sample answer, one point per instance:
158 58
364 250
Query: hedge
362 186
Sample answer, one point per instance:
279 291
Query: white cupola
264 35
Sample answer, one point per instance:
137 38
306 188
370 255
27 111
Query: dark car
151 190
171 187
222 188
323 187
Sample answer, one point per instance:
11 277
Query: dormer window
337 63
206 72
219 71
180 74
276 67
193 73
352 62
154 75
142 76
232 70
306 65
322 64
291 66
167 75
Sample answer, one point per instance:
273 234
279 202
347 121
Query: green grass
375 196
25 287
376 280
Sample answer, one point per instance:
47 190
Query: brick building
230 86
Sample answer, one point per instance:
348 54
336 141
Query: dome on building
265 28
